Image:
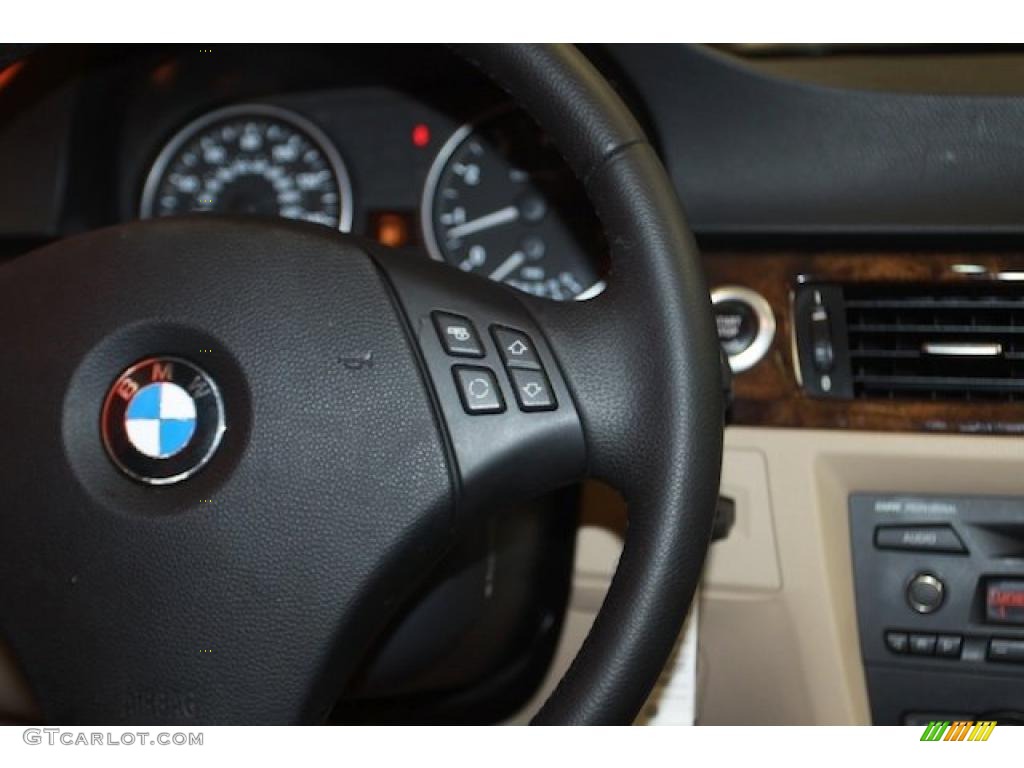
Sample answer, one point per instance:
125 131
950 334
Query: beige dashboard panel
747 558
778 635
792 655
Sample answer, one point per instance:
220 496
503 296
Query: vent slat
889 326
903 354
919 328
935 303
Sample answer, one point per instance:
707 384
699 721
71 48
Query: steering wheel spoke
510 417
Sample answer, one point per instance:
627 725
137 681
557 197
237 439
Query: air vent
962 341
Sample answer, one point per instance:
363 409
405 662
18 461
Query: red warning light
7 74
420 135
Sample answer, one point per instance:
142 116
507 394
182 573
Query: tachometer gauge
252 159
501 202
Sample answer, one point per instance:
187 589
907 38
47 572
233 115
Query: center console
887 380
940 602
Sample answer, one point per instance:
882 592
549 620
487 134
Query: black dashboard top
753 150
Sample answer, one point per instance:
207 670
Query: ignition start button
745 323
737 326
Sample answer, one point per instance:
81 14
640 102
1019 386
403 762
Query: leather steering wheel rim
641 364
670 476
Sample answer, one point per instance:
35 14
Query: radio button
925 594
1002 649
919 538
922 645
897 642
949 646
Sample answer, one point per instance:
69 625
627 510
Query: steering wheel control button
897 642
922 645
478 389
919 538
515 347
458 336
925 593
162 420
533 390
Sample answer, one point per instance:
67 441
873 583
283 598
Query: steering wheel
231 448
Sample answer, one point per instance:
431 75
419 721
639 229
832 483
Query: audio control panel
940 603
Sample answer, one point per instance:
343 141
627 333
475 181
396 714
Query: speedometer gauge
501 202
252 159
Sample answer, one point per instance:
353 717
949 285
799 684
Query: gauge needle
508 266
495 218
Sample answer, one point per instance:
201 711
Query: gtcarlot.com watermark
70 738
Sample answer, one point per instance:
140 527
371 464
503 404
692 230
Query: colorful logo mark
961 730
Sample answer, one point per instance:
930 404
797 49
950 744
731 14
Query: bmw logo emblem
162 420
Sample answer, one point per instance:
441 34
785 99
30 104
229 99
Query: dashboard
863 246
467 179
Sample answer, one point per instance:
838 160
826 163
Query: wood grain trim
768 394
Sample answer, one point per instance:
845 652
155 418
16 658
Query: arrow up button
516 348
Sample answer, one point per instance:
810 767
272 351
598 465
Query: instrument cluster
487 194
